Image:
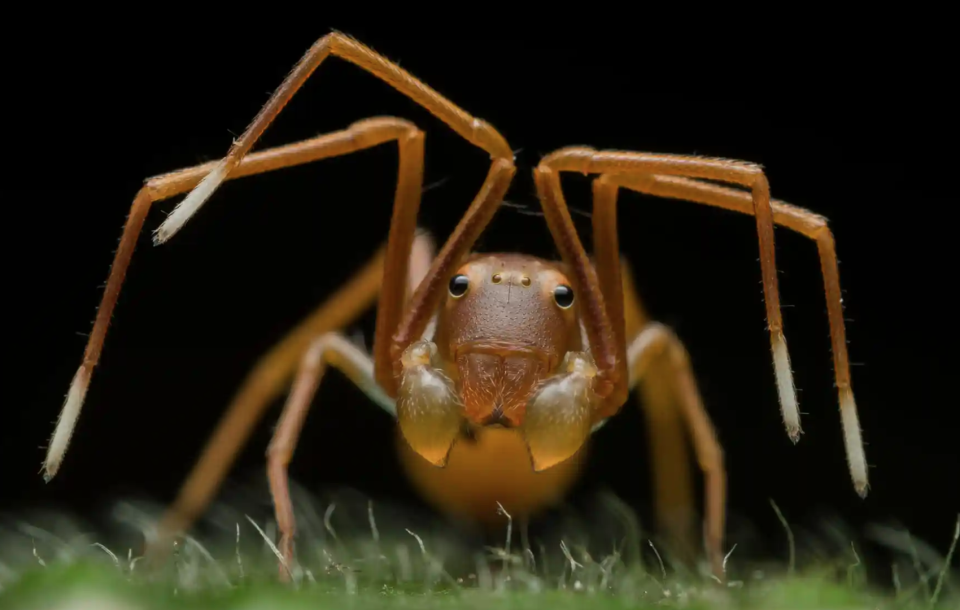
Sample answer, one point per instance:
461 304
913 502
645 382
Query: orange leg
709 453
399 322
676 176
396 328
271 376
670 176
806 223
359 136
329 349
602 330
660 365
659 369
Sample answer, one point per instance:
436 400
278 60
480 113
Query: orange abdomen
494 468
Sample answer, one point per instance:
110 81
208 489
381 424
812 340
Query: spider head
507 323
500 356
507 352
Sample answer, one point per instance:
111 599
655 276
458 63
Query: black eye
563 295
458 285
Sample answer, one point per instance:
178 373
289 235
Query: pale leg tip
50 471
66 423
785 387
794 434
189 206
853 440
166 231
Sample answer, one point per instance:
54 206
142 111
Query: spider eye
459 285
563 295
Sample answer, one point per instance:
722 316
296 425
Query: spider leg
659 369
808 224
472 129
336 350
359 136
677 177
330 349
399 322
660 365
268 379
603 331
396 328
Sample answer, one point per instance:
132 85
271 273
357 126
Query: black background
858 134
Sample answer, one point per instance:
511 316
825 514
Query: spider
497 367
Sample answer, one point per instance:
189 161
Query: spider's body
502 336
495 366
503 329
507 331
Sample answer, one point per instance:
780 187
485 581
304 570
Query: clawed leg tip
49 470
794 434
862 489
160 237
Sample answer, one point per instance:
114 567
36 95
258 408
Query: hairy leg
359 136
271 376
331 349
602 323
812 226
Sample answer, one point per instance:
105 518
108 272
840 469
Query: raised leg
398 323
602 330
331 349
396 329
359 136
796 219
472 129
269 378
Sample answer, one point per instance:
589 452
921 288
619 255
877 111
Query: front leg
605 333
329 349
359 136
427 410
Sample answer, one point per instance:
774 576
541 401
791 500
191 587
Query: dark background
859 134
